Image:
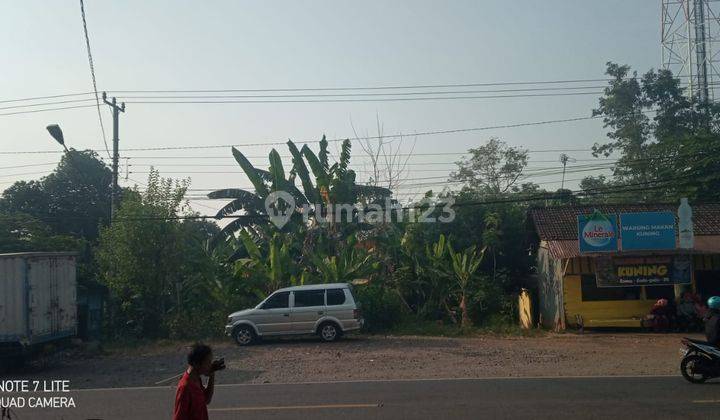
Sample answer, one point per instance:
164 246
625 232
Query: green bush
381 307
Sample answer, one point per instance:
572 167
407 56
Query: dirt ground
375 357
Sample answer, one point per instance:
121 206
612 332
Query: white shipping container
38 297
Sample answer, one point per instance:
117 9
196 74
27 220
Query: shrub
382 308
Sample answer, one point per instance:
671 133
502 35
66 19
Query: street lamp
57 134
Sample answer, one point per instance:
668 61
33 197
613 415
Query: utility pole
116 110
564 160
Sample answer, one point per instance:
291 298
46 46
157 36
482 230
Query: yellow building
573 288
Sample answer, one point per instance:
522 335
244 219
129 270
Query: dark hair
198 353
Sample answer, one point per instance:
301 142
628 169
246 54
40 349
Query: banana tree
464 266
336 183
350 264
252 204
333 184
273 265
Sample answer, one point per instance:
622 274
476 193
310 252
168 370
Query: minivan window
278 300
304 298
335 297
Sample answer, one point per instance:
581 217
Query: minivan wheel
329 332
244 335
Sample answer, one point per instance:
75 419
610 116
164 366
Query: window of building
335 297
590 291
278 300
305 298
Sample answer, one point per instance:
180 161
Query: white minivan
327 310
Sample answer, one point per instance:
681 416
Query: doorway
707 283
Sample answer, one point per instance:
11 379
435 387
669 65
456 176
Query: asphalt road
597 397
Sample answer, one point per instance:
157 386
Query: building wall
608 313
549 290
560 294
615 313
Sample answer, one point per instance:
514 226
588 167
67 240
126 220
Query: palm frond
250 246
276 170
265 175
323 155
251 172
320 172
232 193
302 171
255 206
228 231
345 155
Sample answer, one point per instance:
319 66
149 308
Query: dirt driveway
379 357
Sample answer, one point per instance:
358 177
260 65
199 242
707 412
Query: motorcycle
701 361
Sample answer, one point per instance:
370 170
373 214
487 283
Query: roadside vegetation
170 273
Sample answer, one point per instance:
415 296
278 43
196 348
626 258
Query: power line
429 98
92 73
64 95
274 96
230 91
24 174
355 94
297 101
394 192
69 101
355 160
423 133
450 166
29 165
44 110
530 173
631 187
387 87
229 157
357 88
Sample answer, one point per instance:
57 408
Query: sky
190 45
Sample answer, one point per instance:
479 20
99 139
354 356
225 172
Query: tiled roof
560 222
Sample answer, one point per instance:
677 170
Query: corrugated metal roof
707 244
39 254
560 223
563 249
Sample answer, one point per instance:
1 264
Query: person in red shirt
192 398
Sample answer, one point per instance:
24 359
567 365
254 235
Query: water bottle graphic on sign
685 225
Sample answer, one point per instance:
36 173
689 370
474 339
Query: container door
52 298
13 326
66 296
41 289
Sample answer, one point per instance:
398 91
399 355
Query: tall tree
23 233
665 143
73 200
493 168
154 265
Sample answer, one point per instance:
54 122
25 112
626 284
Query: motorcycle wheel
688 368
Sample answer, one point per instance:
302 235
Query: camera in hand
218 364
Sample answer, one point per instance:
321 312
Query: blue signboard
598 233
647 231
